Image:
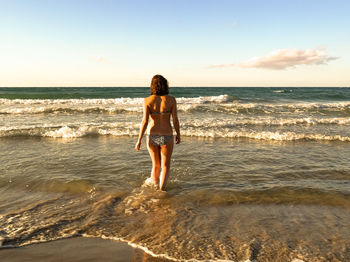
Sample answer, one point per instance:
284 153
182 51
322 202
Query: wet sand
76 250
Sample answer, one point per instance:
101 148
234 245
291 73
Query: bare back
160 108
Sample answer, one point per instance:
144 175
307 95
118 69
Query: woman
160 142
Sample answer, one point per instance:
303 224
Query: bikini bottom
159 140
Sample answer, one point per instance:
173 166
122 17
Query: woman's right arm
144 124
176 123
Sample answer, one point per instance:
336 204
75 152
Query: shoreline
87 249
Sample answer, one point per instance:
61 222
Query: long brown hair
159 86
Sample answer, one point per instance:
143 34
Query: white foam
110 101
181 100
67 132
97 101
267 121
203 99
149 183
71 130
221 103
195 129
117 105
277 136
149 252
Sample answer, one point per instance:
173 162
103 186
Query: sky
285 43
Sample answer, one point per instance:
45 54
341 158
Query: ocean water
262 174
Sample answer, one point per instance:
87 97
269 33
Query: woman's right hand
178 139
138 146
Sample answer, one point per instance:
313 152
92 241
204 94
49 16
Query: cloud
101 59
285 58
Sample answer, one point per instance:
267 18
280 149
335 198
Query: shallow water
227 198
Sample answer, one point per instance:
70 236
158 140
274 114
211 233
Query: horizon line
175 87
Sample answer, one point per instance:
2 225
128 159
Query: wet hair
159 86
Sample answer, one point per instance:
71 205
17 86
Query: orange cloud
285 58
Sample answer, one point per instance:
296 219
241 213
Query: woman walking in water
160 141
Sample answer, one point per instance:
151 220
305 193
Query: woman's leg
166 152
154 152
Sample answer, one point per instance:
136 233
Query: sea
261 174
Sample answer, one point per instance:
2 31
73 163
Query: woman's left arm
176 122
144 124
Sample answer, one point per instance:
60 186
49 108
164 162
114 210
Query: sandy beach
76 249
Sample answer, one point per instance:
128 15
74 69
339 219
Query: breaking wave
128 129
218 104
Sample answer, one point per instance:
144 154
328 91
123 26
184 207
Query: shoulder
148 99
171 101
171 98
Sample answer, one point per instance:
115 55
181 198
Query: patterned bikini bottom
159 140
